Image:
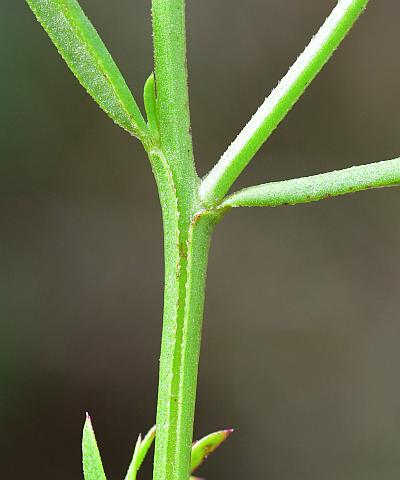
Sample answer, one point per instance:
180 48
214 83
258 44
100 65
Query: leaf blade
140 452
134 467
150 105
91 459
145 445
80 46
317 187
207 445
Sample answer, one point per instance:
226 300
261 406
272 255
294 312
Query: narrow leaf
92 465
274 109
150 104
145 445
207 445
133 467
140 452
318 187
86 55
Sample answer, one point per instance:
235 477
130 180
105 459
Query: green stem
317 187
169 36
180 352
274 109
187 231
185 275
186 242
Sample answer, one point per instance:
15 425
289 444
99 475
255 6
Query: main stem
187 232
183 312
186 258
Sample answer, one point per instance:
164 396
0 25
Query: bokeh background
301 337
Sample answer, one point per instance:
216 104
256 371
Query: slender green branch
219 180
318 187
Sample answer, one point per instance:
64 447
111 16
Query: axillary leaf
86 55
150 105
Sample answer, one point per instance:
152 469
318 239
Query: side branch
274 109
318 187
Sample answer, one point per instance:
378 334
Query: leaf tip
207 445
88 426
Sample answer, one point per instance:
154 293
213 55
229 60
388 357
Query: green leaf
140 452
134 467
318 187
207 445
92 465
276 106
150 104
145 445
86 55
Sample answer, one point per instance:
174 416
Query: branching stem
188 222
274 109
190 212
191 208
186 241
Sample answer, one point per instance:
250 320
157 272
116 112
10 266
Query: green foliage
190 206
140 452
150 105
86 55
207 445
276 106
318 187
92 465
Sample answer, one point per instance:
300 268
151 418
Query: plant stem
186 242
188 226
169 36
185 275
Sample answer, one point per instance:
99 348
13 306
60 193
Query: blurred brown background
301 336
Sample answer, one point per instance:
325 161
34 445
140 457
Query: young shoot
191 207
